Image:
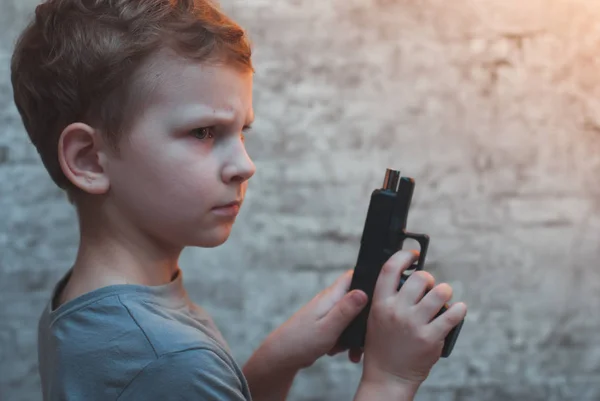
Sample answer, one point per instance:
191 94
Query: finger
433 301
355 355
333 294
336 350
341 285
342 313
389 278
443 324
414 288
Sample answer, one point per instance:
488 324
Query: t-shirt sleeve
198 374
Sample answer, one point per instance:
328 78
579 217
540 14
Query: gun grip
452 336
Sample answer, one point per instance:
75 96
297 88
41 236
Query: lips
227 210
228 205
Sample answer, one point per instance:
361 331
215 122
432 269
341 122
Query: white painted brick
490 105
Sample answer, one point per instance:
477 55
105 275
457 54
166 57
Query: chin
212 238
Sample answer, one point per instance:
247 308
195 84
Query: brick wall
492 106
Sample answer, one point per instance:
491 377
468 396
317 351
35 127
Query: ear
82 158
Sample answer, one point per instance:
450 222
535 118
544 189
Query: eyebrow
202 114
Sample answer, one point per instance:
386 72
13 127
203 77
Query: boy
138 110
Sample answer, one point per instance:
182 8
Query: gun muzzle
391 180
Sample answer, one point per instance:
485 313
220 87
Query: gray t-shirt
132 342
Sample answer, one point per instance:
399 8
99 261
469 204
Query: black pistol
383 235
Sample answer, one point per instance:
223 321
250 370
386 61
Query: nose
240 167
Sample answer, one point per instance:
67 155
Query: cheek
164 184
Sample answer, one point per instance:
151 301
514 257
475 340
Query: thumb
344 311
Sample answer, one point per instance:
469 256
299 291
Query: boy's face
185 157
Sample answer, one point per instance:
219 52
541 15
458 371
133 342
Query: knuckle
390 309
389 267
448 323
399 320
344 310
406 316
422 338
380 309
323 329
395 313
450 319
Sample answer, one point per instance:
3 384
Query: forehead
172 81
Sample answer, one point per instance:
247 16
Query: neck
114 251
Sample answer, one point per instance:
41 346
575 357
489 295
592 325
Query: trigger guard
423 240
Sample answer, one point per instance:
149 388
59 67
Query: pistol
383 235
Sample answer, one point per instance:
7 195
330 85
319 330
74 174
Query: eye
202 133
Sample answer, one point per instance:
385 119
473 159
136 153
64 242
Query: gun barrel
391 180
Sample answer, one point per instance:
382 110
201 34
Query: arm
308 335
268 378
269 383
397 391
195 374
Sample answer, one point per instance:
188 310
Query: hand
309 334
313 331
404 338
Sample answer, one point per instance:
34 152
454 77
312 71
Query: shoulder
114 340
199 373
171 328
90 346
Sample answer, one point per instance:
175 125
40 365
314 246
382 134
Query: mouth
235 203
230 209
